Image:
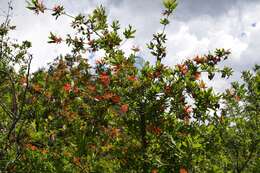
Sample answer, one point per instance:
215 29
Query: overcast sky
198 26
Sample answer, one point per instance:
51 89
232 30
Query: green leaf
129 32
196 145
170 5
164 21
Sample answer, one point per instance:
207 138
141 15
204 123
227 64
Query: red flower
124 108
57 40
183 170
157 130
157 74
37 87
57 8
100 62
197 75
91 42
67 87
154 129
199 60
76 160
98 98
107 95
44 151
237 98
116 99
31 147
154 170
132 78
114 132
183 68
92 88
104 78
54 39
188 109
76 90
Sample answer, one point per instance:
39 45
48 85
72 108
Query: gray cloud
189 9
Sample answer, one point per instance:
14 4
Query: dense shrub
73 116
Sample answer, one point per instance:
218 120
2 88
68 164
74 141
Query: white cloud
184 44
198 34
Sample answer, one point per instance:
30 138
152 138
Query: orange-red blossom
124 108
67 87
104 78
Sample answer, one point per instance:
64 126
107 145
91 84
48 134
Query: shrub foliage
113 116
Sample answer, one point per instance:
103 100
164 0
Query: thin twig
5 109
